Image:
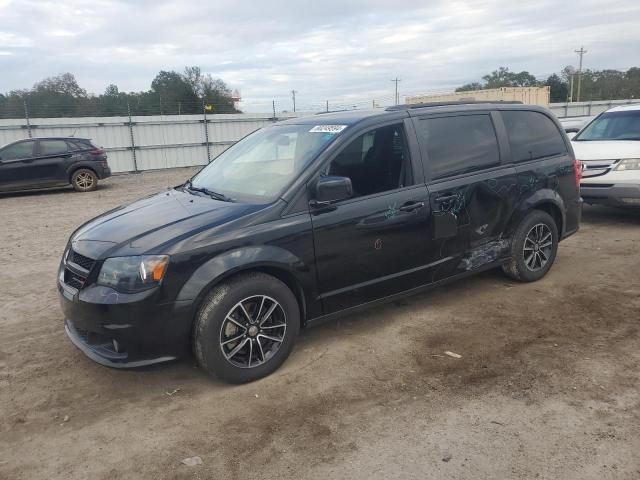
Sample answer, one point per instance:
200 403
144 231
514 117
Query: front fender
244 258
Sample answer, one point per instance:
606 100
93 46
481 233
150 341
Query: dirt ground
548 385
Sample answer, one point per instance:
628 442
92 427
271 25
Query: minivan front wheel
246 327
533 247
84 180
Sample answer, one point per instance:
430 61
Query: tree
559 90
503 77
64 84
470 86
111 91
174 93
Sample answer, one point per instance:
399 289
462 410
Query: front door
376 243
15 162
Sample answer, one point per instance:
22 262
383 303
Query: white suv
609 149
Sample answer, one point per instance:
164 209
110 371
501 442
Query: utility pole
571 92
396 80
26 116
580 52
293 96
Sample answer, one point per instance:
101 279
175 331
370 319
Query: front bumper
125 330
616 194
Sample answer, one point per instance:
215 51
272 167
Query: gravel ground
548 385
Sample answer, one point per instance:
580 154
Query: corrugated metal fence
147 142
166 141
586 109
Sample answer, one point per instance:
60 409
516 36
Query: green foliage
595 84
470 86
503 77
171 93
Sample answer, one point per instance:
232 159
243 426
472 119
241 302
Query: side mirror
332 189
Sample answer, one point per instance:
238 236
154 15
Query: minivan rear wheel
533 247
246 327
84 180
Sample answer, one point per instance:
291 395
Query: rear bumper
573 218
620 194
104 173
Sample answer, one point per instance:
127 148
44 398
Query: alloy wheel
84 180
253 331
538 245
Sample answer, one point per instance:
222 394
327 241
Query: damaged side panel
484 254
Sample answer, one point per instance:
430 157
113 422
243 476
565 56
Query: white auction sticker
328 128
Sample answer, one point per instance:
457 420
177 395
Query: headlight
133 274
629 164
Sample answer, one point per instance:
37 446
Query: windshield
613 126
260 166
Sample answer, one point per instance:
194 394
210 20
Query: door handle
446 198
411 207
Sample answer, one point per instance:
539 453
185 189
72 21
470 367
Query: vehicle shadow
603 215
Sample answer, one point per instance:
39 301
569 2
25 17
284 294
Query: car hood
154 222
606 149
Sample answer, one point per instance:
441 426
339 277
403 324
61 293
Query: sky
342 51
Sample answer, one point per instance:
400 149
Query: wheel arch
546 200
270 260
75 167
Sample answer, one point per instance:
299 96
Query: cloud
331 50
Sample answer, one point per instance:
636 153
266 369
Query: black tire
84 180
211 337
522 266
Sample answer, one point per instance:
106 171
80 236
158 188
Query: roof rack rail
410 106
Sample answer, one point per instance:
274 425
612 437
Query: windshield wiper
206 191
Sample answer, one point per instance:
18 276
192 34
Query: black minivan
314 217
52 162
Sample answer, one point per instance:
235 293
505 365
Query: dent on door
469 220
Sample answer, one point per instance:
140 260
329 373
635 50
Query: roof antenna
74 133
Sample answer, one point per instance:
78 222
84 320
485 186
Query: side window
51 147
458 144
18 151
375 162
532 135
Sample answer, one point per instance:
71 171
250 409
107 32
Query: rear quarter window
532 135
51 147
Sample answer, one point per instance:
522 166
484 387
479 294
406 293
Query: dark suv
314 217
52 162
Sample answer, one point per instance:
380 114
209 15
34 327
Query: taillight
577 169
97 151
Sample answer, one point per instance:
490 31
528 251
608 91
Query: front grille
77 269
85 262
595 168
73 279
